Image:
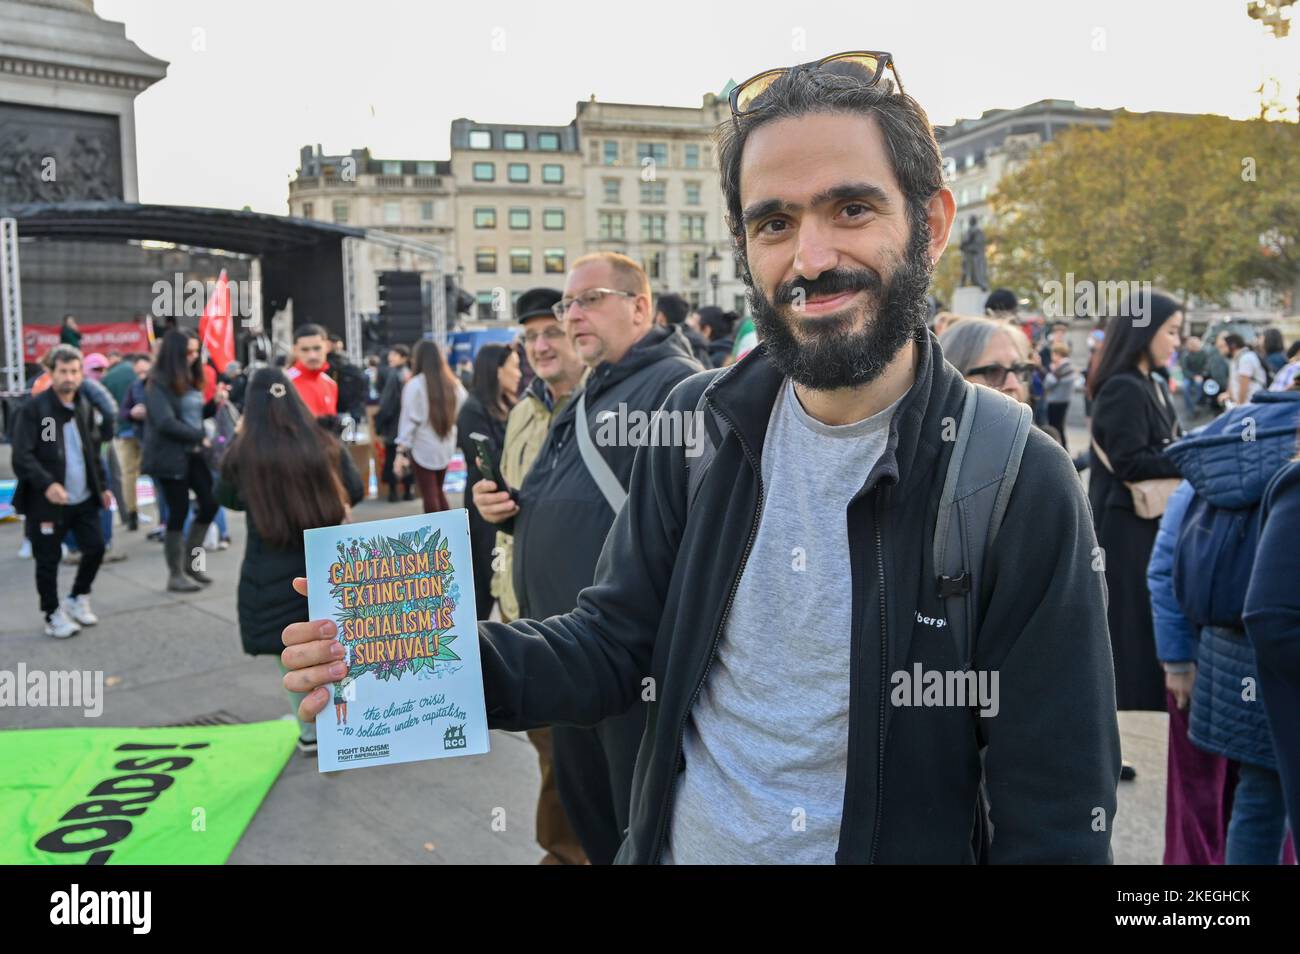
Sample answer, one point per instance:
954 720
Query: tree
1198 205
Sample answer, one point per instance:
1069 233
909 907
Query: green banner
135 796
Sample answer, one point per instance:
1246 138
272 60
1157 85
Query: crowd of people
700 645
1179 570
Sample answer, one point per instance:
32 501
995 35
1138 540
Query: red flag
215 328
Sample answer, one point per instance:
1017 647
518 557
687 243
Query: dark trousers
431 492
1056 418
593 773
390 478
47 538
177 494
482 541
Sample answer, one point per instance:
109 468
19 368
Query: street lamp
714 266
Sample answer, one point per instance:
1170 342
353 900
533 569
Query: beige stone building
519 210
517 204
651 179
412 198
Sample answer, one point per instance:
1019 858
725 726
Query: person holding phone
493 394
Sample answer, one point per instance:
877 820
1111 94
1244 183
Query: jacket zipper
713 648
884 666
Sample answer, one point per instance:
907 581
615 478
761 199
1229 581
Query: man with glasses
567 502
773 598
559 372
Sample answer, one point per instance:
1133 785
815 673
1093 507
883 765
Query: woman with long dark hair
495 389
426 435
172 456
1133 420
289 475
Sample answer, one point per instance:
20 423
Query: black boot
195 555
173 548
132 521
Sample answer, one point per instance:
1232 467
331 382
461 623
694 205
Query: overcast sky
251 81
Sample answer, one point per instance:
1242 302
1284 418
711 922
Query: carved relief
51 155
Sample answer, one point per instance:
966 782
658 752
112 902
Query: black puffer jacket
267 602
563 519
168 440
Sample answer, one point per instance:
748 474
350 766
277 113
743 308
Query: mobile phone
487 464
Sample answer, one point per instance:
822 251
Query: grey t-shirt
766 744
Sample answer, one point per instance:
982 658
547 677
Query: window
306 210
521 219
484 301
692 227
984 190
612 190
391 168
610 156
340 210
611 225
691 155
392 213
485 171
513 141
738 304
521 261
654 265
426 168
962 196
553 261
694 299
426 211
656 151
485 260
652 226
553 173
654 193
692 193
553 219
691 264
480 139
517 172
485 218
548 142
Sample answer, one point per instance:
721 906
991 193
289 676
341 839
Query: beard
850 348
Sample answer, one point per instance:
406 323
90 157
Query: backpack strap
596 465
981 474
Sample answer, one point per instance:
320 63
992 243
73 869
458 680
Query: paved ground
170 658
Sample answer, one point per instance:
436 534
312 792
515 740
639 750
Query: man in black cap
559 372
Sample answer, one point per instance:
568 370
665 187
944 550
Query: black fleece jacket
563 518
664 584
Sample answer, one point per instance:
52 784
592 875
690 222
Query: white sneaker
25 551
60 626
78 607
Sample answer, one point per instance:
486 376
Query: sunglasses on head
873 62
995 375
